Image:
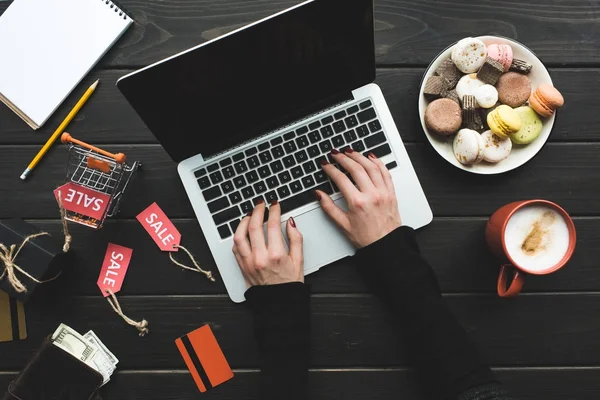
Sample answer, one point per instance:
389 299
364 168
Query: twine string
197 267
141 326
63 217
8 255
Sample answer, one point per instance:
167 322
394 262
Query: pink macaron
502 53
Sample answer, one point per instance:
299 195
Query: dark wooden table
544 344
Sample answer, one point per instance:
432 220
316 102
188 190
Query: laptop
251 114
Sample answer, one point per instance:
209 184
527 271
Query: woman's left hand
267 262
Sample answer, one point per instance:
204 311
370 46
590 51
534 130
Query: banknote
73 343
101 363
94 339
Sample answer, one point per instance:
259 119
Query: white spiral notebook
48 46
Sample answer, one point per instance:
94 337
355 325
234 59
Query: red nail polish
372 155
292 222
324 161
260 201
317 195
274 202
249 214
349 150
335 151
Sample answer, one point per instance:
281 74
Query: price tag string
113 272
197 267
63 217
141 326
167 237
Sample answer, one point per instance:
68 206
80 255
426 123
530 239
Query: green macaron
531 126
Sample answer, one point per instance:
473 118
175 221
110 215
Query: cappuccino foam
536 237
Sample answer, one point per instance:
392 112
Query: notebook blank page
48 46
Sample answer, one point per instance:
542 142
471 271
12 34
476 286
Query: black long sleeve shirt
447 364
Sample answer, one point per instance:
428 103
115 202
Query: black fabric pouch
54 374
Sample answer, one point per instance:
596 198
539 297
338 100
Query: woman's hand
268 264
372 205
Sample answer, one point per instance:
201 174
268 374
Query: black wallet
54 374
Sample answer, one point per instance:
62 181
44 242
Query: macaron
546 99
504 121
468 147
485 112
469 55
514 89
486 96
531 126
443 116
502 53
496 149
467 85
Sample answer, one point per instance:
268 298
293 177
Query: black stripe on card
197 364
14 318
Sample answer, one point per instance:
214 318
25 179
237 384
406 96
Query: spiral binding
117 7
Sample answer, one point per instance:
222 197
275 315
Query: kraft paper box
41 257
12 319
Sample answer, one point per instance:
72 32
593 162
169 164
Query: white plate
520 153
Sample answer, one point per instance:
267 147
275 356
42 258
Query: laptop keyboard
287 168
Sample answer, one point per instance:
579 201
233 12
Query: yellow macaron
504 121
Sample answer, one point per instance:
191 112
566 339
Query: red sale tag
160 228
82 200
114 268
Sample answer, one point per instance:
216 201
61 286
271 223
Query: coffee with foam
536 237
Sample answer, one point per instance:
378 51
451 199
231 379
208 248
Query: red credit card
204 358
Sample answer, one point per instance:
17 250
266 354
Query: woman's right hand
372 205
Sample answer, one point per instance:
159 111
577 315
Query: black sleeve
282 330
447 363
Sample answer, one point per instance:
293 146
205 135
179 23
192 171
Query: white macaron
468 84
486 96
468 147
496 149
469 55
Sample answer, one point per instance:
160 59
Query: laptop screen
229 91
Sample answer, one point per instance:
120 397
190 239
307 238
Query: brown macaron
443 116
514 89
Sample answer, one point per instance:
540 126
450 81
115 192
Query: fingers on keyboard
289 168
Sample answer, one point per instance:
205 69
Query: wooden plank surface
454 247
372 384
565 173
347 330
407 32
545 342
109 118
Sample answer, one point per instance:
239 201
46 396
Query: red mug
495 238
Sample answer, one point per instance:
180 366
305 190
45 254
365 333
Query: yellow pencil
60 129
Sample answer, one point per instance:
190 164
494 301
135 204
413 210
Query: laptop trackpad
323 241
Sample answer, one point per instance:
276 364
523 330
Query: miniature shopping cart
98 170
